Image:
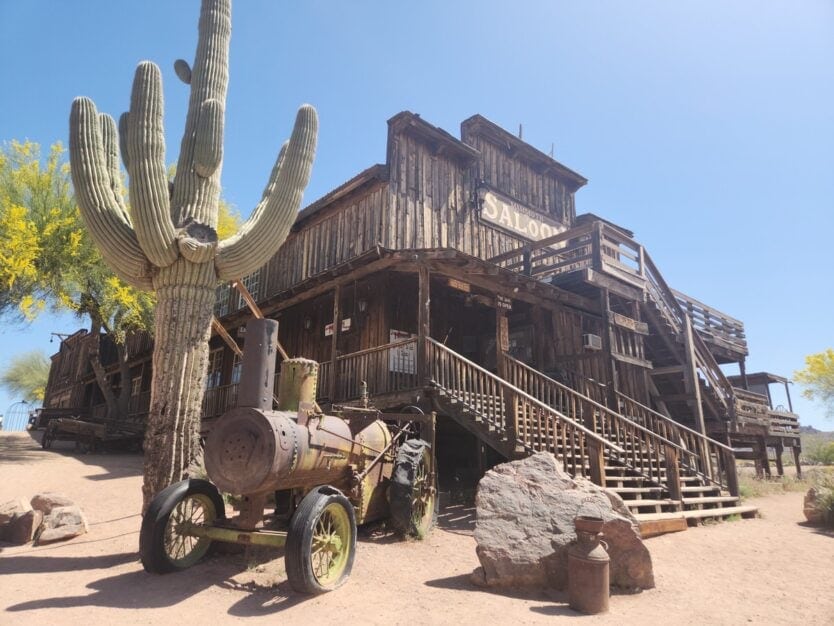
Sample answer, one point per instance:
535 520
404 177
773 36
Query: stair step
709 500
635 489
747 510
654 524
639 503
700 488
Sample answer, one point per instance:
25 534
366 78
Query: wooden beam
334 344
690 379
423 322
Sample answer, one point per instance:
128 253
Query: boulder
24 527
525 523
9 510
63 522
813 508
47 501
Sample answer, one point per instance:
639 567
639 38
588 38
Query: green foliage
817 377
47 259
821 454
26 376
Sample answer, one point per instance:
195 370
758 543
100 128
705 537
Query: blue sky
705 127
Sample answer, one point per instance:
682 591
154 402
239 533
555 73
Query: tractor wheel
163 543
321 542
412 495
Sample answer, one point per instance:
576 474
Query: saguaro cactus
165 240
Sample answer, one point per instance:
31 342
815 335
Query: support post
673 473
334 344
691 382
423 323
742 368
780 470
596 462
608 348
732 472
788 394
763 456
797 450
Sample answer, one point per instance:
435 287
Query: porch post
334 344
423 323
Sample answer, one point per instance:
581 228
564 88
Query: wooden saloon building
458 277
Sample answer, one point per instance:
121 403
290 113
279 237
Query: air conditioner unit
591 342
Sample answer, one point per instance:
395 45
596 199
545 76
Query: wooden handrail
600 407
673 423
558 415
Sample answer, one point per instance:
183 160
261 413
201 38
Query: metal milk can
588 568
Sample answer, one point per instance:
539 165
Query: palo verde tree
26 375
47 260
817 378
167 242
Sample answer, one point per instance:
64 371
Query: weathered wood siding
340 232
538 190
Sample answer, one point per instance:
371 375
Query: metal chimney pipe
257 379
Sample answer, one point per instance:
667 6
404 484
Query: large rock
525 523
15 517
47 501
23 528
813 508
64 522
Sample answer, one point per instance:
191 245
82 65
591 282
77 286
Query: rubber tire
400 492
300 540
152 534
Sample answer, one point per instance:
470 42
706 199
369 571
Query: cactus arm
94 190
261 236
110 141
124 121
148 176
208 145
197 183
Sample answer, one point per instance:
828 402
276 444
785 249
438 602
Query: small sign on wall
454 283
504 333
346 324
503 302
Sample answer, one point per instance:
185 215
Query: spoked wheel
164 542
413 494
321 542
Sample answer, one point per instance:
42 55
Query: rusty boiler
588 568
253 449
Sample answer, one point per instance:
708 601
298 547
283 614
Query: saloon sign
518 219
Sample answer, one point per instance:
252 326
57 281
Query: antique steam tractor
328 473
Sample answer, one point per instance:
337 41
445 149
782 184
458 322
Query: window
136 386
221 302
237 368
252 284
215 368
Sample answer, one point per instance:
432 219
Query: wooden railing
218 400
600 246
713 325
713 461
385 369
518 417
645 452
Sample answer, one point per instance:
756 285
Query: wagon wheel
413 492
164 543
321 542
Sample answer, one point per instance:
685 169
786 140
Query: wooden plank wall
342 231
538 190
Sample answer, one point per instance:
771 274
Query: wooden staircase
668 475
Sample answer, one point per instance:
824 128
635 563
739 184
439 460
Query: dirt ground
772 570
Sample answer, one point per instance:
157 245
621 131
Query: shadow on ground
25 448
